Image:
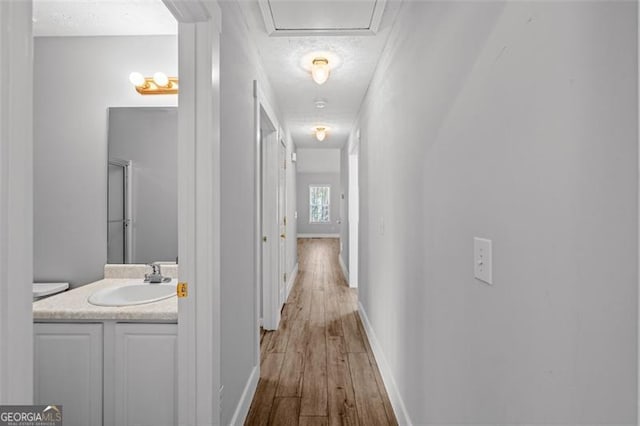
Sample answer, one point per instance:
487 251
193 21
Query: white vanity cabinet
145 374
68 370
109 373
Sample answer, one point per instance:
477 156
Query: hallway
318 367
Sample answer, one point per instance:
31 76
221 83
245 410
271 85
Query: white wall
292 223
518 123
75 80
304 180
318 160
318 166
239 67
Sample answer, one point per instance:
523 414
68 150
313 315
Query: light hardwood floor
318 367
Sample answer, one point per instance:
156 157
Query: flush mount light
320 70
159 84
320 64
320 132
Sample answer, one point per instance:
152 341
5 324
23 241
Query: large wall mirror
142 194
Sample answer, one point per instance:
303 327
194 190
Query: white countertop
73 305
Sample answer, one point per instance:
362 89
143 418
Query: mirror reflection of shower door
118 237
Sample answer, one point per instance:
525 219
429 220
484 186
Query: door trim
199 26
271 313
16 202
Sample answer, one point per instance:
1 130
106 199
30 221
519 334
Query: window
319 203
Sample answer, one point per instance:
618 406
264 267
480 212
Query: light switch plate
482 260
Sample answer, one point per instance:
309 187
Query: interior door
270 235
282 222
354 217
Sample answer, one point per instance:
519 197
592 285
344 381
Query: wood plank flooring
318 367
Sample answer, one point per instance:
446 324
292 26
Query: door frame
269 209
16 202
199 24
282 222
270 318
353 158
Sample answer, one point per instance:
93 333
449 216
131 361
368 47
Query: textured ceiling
296 92
102 17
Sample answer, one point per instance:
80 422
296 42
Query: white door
270 234
282 223
354 214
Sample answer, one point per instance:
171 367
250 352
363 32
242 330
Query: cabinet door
68 370
145 374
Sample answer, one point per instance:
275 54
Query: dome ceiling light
321 133
320 64
320 70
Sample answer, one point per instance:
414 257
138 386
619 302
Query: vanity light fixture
320 70
159 84
321 133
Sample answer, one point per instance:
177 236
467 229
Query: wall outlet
482 260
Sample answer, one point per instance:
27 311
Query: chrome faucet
155 277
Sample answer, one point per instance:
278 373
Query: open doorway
282 222
273 260
199 28
105 208
269 294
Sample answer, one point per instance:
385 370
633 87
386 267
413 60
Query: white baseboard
397 403
292 280
345 271
242 410
318 235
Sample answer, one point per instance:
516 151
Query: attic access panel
318 17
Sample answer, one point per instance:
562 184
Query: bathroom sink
133 294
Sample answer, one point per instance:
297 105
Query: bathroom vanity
106 365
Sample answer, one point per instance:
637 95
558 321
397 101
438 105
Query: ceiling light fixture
320 70
321 133
159 84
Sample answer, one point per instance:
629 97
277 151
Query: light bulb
320 70
161 79
137 79
321 133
